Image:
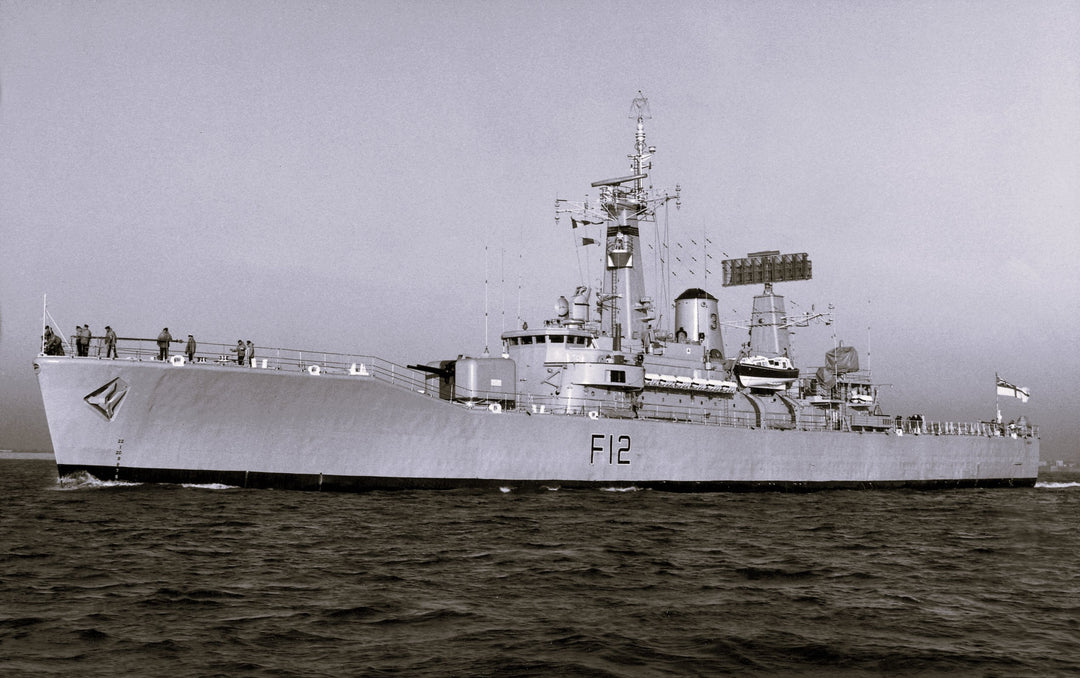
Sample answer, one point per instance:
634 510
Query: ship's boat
761 372
610 392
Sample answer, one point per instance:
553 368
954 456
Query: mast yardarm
626 312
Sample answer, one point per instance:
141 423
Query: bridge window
556 339
617 376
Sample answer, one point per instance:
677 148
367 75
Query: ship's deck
327 363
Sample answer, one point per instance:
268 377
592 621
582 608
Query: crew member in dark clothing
51 343
55 346
190 350
163 340
110 342
82 340
239 350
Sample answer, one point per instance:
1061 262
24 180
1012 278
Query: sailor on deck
53 344
82 340
110 342
163 340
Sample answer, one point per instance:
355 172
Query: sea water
107 579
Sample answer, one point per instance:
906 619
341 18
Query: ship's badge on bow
106 400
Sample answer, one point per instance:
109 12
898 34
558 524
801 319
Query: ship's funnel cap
695 293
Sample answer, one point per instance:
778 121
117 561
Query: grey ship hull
157 422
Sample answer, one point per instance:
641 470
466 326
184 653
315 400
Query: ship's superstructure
609 392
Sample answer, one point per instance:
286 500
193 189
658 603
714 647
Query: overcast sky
327 176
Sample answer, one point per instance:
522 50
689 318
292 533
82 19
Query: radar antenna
625 203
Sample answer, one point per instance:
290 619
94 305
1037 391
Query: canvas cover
840 360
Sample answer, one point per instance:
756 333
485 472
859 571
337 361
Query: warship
608 393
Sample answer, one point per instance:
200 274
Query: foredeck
315 363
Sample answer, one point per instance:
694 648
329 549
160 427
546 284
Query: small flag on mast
1004 388
585 221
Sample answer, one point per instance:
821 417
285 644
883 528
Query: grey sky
326 175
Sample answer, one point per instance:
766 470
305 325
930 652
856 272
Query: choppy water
106 580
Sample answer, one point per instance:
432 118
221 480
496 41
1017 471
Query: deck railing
328 363
266 358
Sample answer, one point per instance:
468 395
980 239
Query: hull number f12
615 447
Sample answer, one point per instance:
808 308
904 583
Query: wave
81 480
1056 486
209 486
